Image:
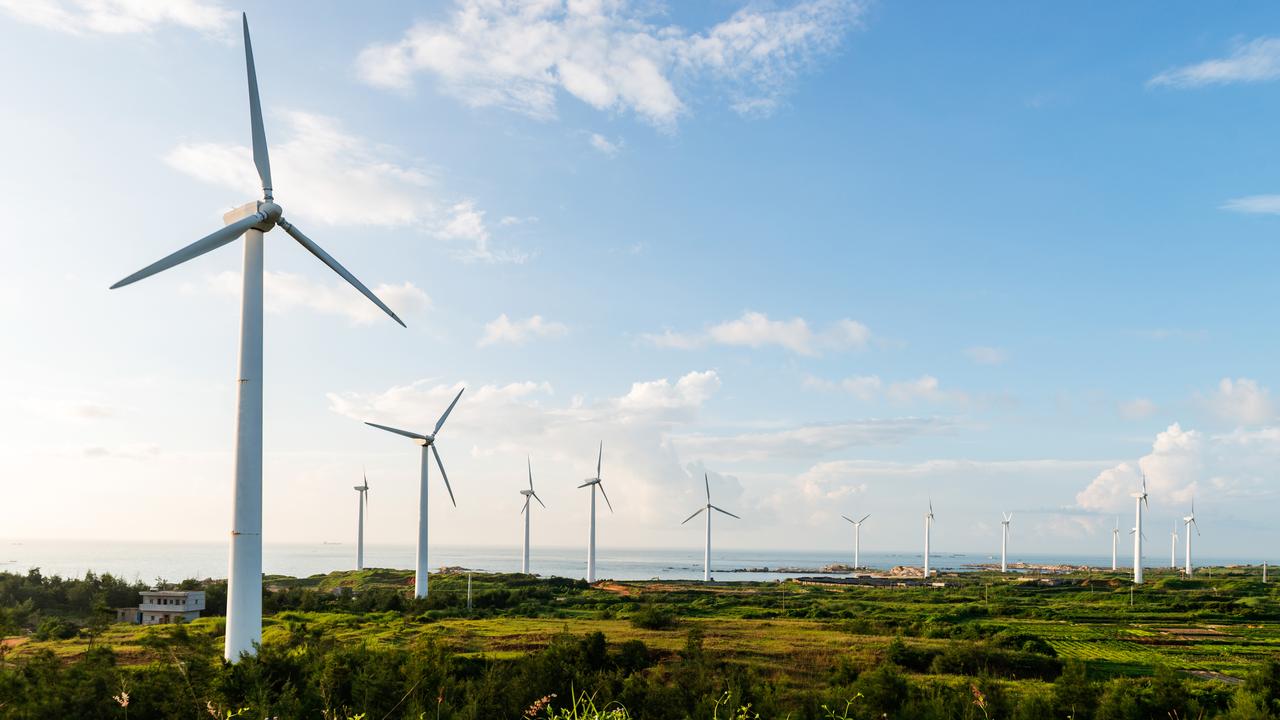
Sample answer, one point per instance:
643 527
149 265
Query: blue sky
843 256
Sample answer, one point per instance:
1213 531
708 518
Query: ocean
177 561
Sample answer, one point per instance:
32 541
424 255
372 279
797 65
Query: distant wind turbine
594 483
928 526
1004 541
857 539
428 443
362 500
244 581
528 495
1140 499
1115 543
706 553
1190 522
1173 547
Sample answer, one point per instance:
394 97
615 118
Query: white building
164 606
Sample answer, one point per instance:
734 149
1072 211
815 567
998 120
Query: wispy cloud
609 54
286 292
1241 400
810 441
1254 61
1255 204
985 355
503 329
871 387
604 145
754 329
118 17
337 178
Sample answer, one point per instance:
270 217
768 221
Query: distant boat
326 542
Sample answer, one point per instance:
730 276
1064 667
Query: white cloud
1255 61
116 17
984 355
755 330
1257 204
286 292
692 390
608 54
504 330
1173 469
809 441
605 145
1242 401
871 387
325 174
1137 409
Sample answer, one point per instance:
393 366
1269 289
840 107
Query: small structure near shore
160 607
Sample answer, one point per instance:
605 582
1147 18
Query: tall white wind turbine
1173 547
1190 522
253 220
706 553
1115 543
362 499
1140 499
528 495
594 483
928 526
1004 541
428 443
857 537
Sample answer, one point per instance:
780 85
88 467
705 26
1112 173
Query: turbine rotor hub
271 210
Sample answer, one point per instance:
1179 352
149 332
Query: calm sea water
176 561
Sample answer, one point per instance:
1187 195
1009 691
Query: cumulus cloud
754 329
1242 401
119 17
1173 469
1254 61
609 54
503 329
285 292
327 175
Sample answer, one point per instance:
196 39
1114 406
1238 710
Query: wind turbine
706 553
1140 499
1004 541
857 539
1115 543
528 494
252 220
1173 546
1190 522
428 443
363 501
928 525
594 483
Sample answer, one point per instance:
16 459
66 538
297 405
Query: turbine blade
405 433
600 459
210 242
524 508
535 497
260 159
846 517
606 496
707 481
327 259
443 474
864 517
592 481
445 416
726 512
693 515
530 461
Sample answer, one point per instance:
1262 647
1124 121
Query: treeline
311 674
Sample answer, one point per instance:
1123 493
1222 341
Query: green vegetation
349 645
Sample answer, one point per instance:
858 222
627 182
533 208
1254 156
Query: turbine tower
362 500
928 525
1004 541
1115 543
706 553
1140 499
428 443
524 560
253 220
1173 547
1190 522
857 539
594 483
